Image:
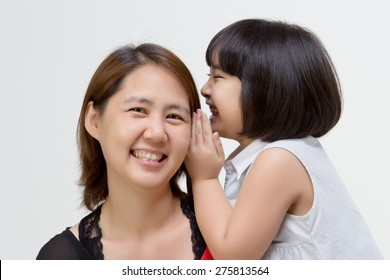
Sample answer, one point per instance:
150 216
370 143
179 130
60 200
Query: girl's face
223 95
145 129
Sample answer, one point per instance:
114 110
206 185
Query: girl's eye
215 76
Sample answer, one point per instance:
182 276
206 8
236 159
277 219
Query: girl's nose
205 90
155 132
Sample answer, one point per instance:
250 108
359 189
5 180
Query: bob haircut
290 88
105 82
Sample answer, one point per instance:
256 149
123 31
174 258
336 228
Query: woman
133 134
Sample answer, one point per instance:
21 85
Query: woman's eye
174 117
137 110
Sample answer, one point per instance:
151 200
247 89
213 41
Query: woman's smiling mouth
148 156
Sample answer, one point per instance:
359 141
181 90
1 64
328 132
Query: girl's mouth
213 111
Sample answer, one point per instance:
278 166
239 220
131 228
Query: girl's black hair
290 88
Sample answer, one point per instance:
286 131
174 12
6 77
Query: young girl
134 133
272 88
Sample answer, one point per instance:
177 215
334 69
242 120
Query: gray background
50 49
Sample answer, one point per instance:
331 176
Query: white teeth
213 110
147 156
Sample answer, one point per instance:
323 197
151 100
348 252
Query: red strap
207 255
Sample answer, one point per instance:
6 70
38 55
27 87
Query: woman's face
145 129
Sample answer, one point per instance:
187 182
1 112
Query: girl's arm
274 186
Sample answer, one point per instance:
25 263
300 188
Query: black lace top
65 246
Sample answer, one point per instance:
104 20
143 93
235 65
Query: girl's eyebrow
175 106
215 66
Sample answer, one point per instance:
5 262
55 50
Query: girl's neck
243 143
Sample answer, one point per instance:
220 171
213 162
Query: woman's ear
91 122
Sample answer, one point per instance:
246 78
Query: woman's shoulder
67 245
198 243
63 246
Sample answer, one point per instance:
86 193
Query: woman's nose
155 131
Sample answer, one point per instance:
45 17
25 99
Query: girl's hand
205 156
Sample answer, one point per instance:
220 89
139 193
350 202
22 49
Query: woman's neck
134 212
145 225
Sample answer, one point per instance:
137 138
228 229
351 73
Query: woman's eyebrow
138 100
179 107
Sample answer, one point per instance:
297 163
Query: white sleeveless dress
333 229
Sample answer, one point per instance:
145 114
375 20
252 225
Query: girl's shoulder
298 146
278 162
277 170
